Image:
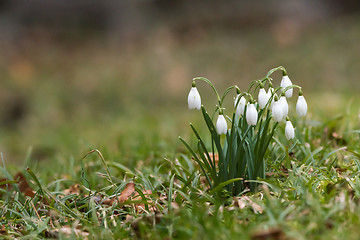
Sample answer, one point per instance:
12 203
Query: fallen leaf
66 230
124 195
271 234
29 192
141 206
244 201
214 158
24 185
3 230
74 189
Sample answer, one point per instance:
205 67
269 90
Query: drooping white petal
241 107
277 112
194 99
263 98
221 126
285 82
285 106
289 130
251 114
301 106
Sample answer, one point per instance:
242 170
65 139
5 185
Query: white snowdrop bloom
241 106
284 105
194 99
285 82
251 114
289 130
301 106
277 111
221 126
263 98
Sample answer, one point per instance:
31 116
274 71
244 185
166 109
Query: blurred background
114 75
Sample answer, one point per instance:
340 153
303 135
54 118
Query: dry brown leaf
271 234
66 230
141 206
24 185
214 158
124 195
78 232
3 230
243 201
29 192
335 135
74 189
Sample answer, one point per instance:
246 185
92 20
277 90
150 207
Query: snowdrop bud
263 98
241 107
194 99
285 82
289 130
221 125
251 114
301 106
277 111
284 105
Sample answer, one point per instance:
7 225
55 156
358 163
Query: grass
316 197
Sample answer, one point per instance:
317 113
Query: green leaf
223 184
207 160
197 160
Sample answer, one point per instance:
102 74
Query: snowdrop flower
241 106
194 99
284 105
285 82
277 111
251 114
289 130
221 126
301 105
263 98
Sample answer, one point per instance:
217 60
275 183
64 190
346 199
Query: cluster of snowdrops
242 154
278 105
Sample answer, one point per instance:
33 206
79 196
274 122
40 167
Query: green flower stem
241 95
277 90
211 85
226 92
269 80
258 81
276 69
292 86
